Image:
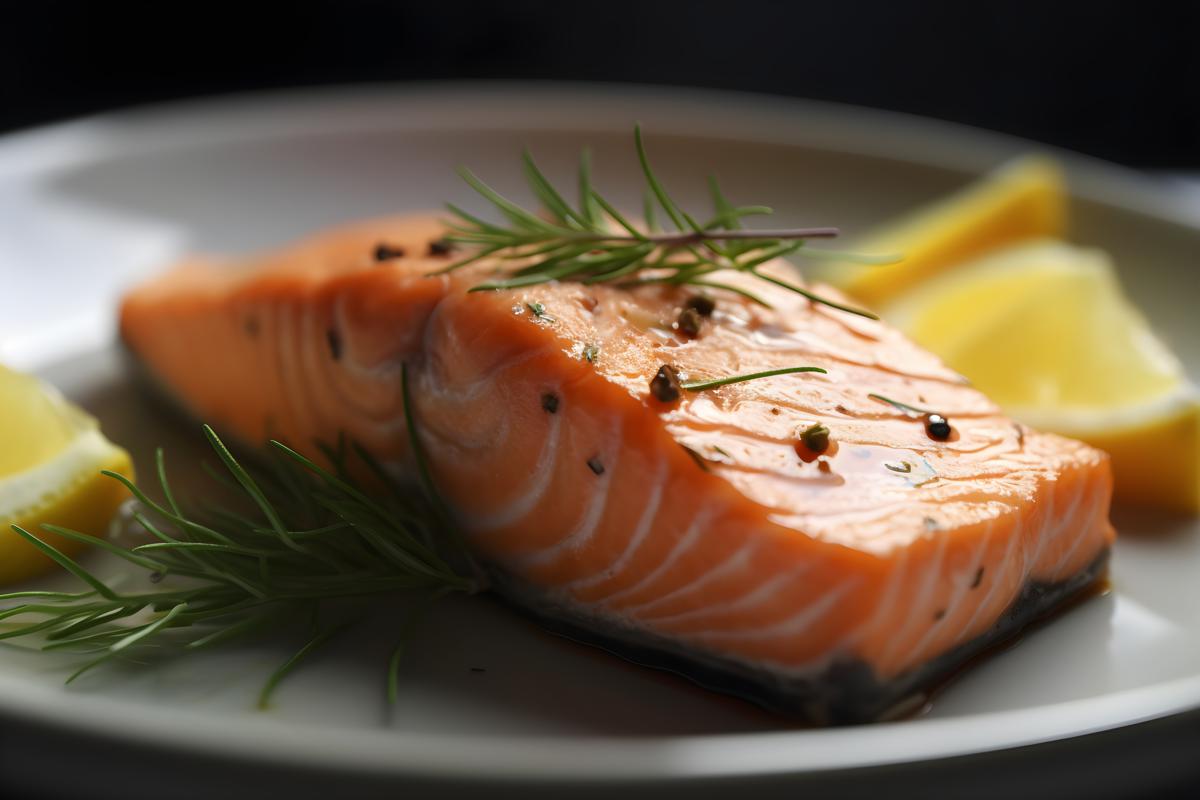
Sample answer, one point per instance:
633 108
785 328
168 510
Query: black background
1117 80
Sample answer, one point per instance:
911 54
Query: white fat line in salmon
964 582
692 533
760 594
590 517
640 532
794 625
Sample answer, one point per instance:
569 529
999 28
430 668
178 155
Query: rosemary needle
699 386
595 243
905 407
281 672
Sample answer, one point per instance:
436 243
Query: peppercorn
938 427
665 385
386 252
689 323
701 304
441 247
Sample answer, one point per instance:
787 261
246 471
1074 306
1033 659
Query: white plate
86 208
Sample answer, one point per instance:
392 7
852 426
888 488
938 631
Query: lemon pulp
1044 329
50 465
1022 200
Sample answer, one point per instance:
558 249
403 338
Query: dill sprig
593 242
297 537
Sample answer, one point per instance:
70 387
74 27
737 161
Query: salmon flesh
701 534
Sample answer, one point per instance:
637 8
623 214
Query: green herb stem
595 243
905 407
298 535
700 386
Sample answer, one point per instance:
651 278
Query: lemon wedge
1044 329
50 466
1024 199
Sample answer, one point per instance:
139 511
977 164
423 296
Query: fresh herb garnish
594 243
816 437
539 311
666 386
905 407
700 386
299 537
936 426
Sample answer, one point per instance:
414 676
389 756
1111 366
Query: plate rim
30 155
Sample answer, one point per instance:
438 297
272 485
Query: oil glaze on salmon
691 535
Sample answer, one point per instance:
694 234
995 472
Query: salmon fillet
700 534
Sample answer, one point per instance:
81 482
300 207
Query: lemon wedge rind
27 493
50 473
1020 200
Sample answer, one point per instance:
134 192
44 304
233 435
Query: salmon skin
699 534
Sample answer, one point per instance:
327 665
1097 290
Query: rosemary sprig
297 537
595 243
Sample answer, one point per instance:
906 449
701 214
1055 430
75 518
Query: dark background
1116 80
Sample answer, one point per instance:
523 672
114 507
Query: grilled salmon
704 533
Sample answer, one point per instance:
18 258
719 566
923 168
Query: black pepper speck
689 323
595 465
550 402
702 304
938 427
387 252
665 385
700 460
335 344
441 247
